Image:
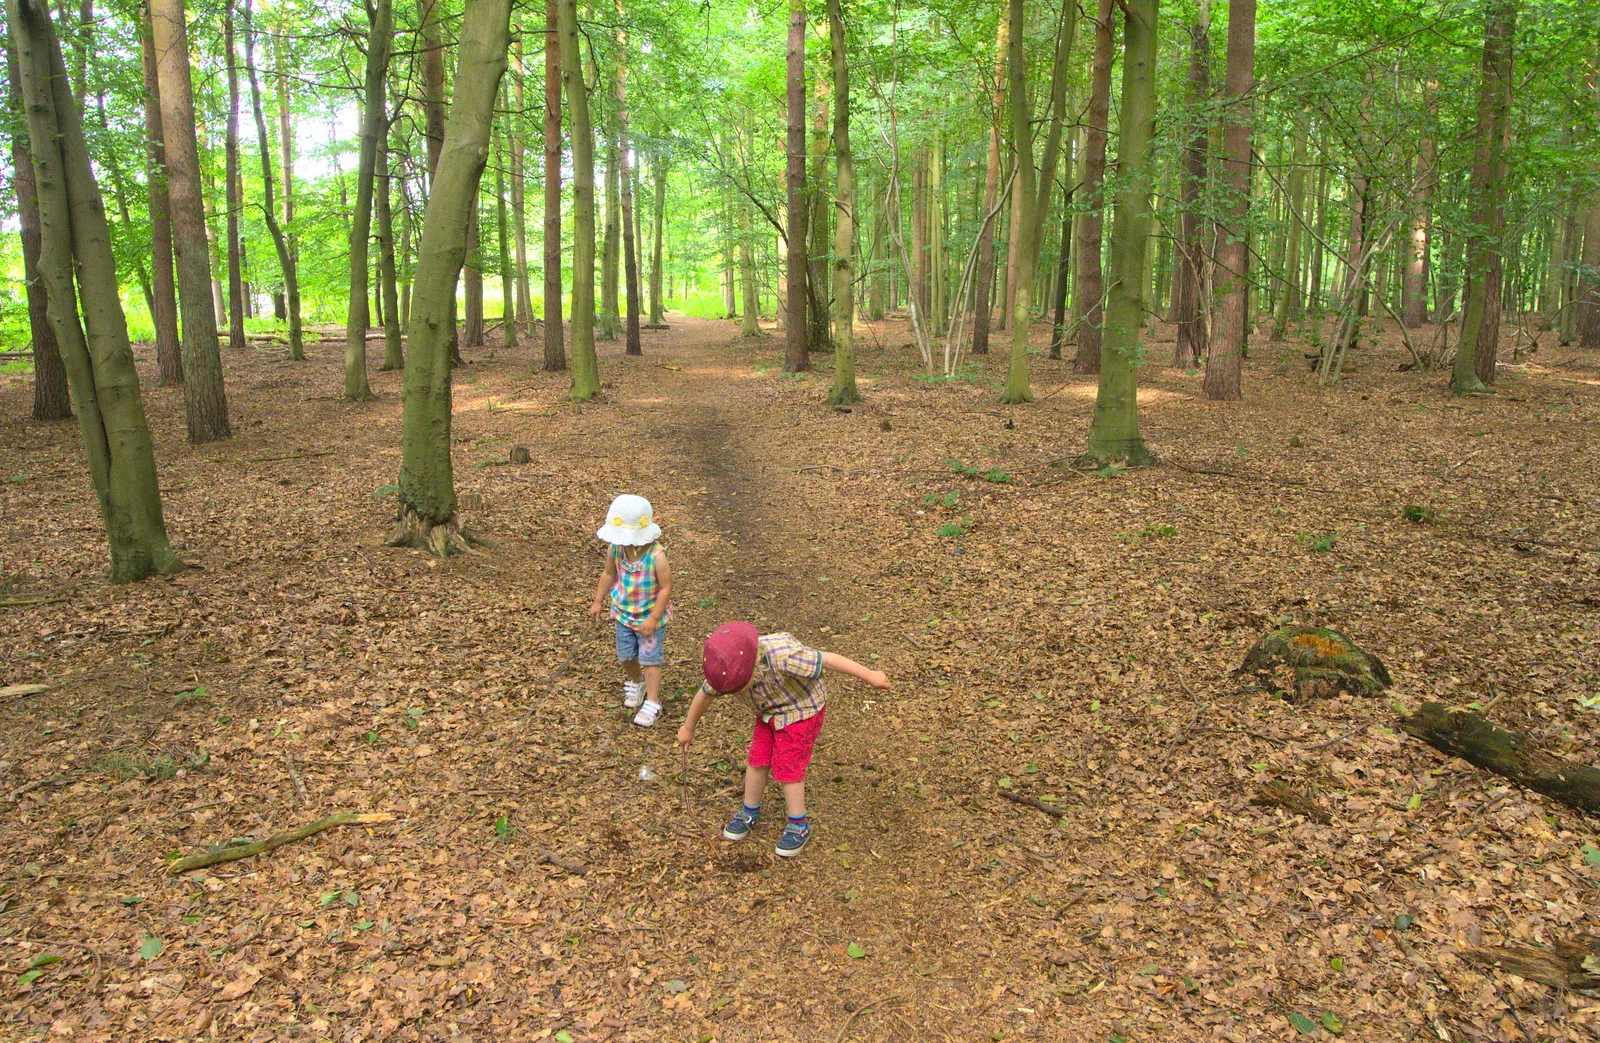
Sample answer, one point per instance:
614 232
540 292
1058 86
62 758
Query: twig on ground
1336 739
22 691
294 776
1510 1006
1184 683
29 602
293 456
260 847
1034 802
52 780
845 1028
575 868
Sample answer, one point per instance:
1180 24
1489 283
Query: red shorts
786 750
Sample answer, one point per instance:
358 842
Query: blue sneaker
794 838
740 825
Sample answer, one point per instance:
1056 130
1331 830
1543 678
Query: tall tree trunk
938 281
585 366
164 305
280 242
1091 287
374 127
286 164
796 354
1187 307
1058 328
991 192
658 170
98 358
610 251
630 256
555 355
508 281
519 202
1414 290
1114 431
878 280
427 497
205 400
393 349
1230 335
1480 326
1289 304
472 280
231 194
50 398
1023 198
1060 78
819 285
751 318
433 112
844 389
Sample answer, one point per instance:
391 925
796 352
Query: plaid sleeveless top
634 594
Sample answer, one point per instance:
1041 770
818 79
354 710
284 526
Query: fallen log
1461 733
234 852
1571 964
1279 794
1033 802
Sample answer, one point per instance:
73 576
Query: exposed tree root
441 538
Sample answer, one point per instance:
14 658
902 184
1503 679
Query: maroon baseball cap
729 658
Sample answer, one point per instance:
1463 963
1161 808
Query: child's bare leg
794 796
755 782
652 683
631 668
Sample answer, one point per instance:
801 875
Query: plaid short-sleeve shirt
786 686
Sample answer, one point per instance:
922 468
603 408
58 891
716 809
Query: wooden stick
237 851
1034 802
29 602
575 868
22 691
293 456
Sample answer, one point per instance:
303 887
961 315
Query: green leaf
1094 705
563 1036
851 895
1591 854
44 960
328 898
364 925
150 948
1331 1022
352 899
1005 782
28 977
676 985
1336 962
384 490
1261 766
854 951
1415 802
502 827
1404 921
1303 1023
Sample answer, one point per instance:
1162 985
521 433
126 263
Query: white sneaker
632 694
646 717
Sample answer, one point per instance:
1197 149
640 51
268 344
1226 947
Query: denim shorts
632 645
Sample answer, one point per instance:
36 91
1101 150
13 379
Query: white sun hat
630 522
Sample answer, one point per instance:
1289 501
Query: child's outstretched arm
697 710
608 579
663 596
845 665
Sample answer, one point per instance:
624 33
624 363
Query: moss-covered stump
1462 733
1314 663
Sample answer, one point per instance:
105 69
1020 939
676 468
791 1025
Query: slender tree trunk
751 317
1090 228
1289 304
519 203
991 192
205 400
164 305
585 366
796 355
427 496
1587 310
555 355
819 285
1187 307
393 348
472 280
630 256
374 127
1474 365
75 240
844 389
1414 290
1114 431
878 282
280 242
1023 198
1058 328
508 281
286 163
658 170
1230 336
610 251
231 194
50 397
1060 77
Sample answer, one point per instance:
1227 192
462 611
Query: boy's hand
685 734
877 679
648 627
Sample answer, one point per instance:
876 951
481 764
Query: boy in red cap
782 680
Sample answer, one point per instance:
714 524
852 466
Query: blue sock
803 821
753 811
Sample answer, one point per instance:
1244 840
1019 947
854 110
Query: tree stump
1321 663
519 454
1461 733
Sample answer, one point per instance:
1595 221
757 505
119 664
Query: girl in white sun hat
639 583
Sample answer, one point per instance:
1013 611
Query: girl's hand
877 679
594 609
648 627
685 734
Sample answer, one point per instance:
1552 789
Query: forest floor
1072 639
